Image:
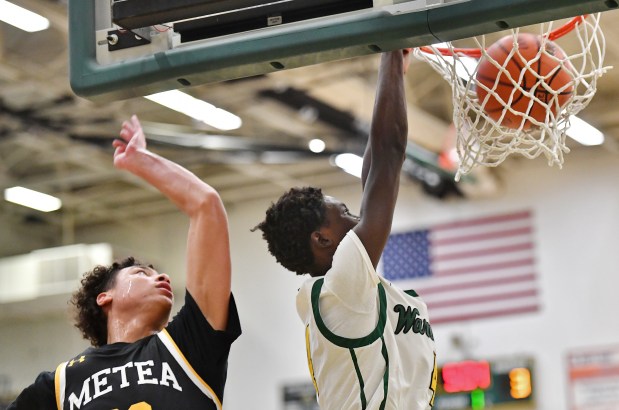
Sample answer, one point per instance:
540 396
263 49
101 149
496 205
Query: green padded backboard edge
296 45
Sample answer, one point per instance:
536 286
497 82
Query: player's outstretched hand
131 141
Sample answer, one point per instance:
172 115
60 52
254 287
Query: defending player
369 344
140 361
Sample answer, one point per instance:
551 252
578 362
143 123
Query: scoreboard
486 384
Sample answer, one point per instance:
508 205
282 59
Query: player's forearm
183 188
389 123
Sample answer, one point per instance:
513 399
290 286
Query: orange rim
476 52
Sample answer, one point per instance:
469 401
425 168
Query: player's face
142 288
339 220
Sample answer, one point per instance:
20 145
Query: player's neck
130 329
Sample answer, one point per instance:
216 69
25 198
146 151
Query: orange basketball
548 66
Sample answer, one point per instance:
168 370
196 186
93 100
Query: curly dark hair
89 317
288 225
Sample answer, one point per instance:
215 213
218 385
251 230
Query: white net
521 101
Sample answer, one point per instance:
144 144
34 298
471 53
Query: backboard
127 48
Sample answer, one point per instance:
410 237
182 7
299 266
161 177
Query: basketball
548 67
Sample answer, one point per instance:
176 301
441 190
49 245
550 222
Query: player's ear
103 299
319 240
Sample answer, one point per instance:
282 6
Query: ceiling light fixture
32 199
197 109
317 145
350 163
22 18
583 132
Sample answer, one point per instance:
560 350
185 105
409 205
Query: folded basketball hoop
484 137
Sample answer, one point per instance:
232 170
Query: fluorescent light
32 199
350 163
22 18
317 145
583 132
197 109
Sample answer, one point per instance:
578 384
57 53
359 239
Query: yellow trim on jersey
309 359
59 384
167 340
434 381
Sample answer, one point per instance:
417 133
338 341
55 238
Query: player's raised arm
384 156
367 156
208 249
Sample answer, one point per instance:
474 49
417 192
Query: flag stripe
484 306
484 252
476 284
468 269
483 220
482 236
478 299
438 250
485 315
486 267
479 293
473 262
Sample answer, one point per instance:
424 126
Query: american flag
468 269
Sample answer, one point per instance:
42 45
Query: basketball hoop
539 125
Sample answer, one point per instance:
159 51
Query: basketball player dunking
139 361
369 344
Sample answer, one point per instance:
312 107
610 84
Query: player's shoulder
305 289
304 295
45 378
39 395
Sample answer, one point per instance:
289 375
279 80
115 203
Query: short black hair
289 224
90 318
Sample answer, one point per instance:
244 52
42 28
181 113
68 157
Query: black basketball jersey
182 367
